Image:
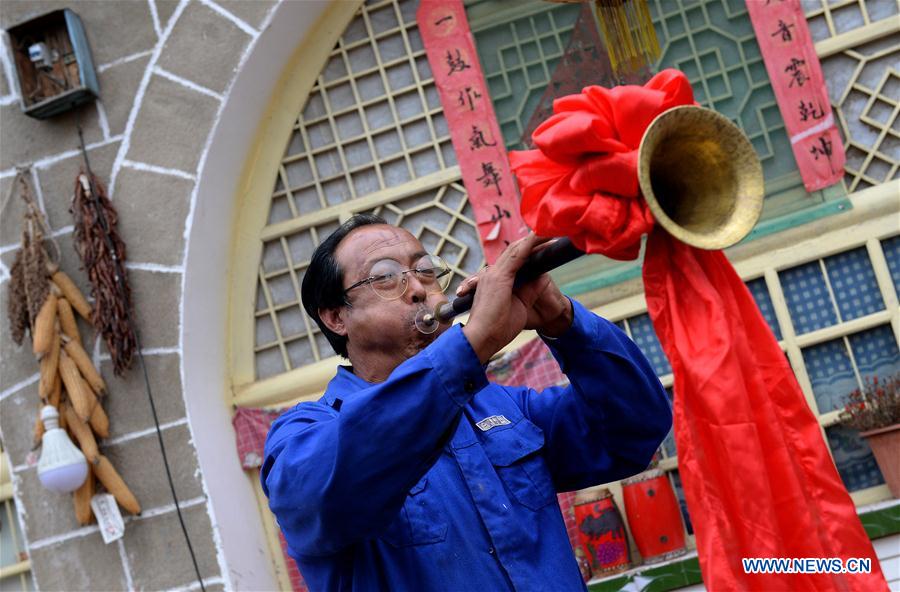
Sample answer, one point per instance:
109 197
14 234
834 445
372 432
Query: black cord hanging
120 283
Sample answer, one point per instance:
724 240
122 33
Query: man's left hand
551 313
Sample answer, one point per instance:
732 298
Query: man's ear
334 320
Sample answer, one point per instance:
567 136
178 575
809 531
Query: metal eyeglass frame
445 269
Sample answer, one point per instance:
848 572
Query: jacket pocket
419 521
516 455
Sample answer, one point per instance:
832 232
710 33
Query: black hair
323 283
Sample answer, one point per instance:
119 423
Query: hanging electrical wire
103 218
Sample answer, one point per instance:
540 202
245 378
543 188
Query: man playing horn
413 472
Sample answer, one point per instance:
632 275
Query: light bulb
62 467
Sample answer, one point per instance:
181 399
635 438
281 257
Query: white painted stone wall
183 86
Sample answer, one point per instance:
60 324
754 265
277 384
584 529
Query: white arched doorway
211 231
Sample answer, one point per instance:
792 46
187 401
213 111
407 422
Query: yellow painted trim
856 325
271 529
258 177
15 569
300 384
871 495
5 478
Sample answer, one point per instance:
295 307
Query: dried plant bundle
17 304
102 252
34 261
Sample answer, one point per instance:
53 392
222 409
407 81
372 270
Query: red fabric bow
757 476
581 181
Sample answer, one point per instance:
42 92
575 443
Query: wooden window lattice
371 137
372 124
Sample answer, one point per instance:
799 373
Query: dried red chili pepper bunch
876 405
102 252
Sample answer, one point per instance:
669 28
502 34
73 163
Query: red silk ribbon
758 478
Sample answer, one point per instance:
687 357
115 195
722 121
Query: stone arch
212 230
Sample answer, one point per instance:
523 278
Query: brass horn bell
701 177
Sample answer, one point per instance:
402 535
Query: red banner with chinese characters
796 75
473 126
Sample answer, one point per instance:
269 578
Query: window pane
645 337
853 282
891 247
853 458
807 297
830 372
875 352
763 300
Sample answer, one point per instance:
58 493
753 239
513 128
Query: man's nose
415 289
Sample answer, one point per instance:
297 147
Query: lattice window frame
302 209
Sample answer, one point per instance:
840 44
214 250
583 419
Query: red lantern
654 516
602 534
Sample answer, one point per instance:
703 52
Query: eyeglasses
389 280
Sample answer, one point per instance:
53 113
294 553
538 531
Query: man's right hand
498 314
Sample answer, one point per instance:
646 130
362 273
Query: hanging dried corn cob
105 266
49 368
44 327
80 394
114 484
69 290
41 301
82 433
85 367
99 421
82 499
56 392
67 319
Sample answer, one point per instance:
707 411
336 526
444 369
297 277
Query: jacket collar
343 385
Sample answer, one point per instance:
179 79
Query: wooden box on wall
53 63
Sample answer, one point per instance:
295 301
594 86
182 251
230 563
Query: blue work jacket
438 480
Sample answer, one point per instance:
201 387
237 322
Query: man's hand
499 312
551 313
